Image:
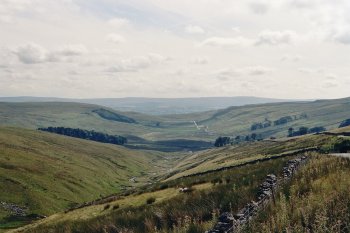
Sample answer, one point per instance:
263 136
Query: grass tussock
317 200
195 211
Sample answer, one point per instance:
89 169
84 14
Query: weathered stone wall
228 222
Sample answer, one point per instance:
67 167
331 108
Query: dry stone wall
228 222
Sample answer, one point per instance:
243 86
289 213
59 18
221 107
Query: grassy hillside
85 116
232 121
157 106
317 200
235 155
212 193
142 131
47 173
171 211
238 120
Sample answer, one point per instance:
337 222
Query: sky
296 49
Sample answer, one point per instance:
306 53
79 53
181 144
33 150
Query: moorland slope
45 173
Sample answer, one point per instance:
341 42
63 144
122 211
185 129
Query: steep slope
45 173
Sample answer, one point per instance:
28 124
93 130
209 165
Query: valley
45 173
68 184
174 116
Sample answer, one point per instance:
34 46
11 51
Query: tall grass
196 211
317 201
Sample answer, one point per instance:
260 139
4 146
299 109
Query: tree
291 132
303 130
222 141
345 123
317 129
253 136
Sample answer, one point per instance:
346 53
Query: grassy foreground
317 200
47 173
169 210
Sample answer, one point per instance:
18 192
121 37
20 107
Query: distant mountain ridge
158 106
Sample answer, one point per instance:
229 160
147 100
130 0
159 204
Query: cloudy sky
175 48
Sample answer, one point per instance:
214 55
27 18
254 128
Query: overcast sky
175 48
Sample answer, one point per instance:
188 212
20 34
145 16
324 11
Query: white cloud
115 38
200 60
118 22
342 36
236 29
331 81
193 29
256 70
292 58
136 64
31 53
64 53
226 41
276 37
318 29
311 70
72 50
302 3
259 7
229 73
6 57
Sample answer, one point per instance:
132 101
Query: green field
317 200
244 153
232 121
96 216
48 173
172 211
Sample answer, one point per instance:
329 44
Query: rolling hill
202 126
162 208
157 106
45 173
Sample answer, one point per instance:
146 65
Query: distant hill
158 106
46 173
206 126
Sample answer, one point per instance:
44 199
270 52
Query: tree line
281 121
345 123
87 134
305 130
224 140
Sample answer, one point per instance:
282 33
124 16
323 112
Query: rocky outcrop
14 209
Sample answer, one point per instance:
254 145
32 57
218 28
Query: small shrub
150 200
164 186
